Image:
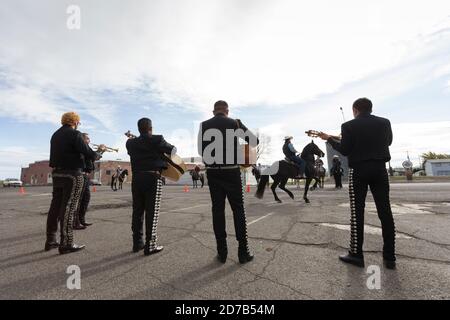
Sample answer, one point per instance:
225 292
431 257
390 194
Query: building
344 161
435 168
37 174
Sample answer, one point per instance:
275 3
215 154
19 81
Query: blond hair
70 118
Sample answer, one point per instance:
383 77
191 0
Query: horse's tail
262 186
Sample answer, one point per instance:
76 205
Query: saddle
294 165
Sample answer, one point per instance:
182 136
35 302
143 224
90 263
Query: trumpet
107 149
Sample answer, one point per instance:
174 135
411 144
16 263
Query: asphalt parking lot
296 248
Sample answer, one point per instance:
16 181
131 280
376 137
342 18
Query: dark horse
196 176
120 179
256 173
320 172
282 171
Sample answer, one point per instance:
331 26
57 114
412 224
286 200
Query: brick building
37 174
104 170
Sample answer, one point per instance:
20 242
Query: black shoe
222 251
155 250
390 264
70 249
49 245
244 254
79 227
353 259
86 224
138 246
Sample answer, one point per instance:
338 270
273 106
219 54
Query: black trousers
147 191
227 184
67 189
85 199
338 180
361 177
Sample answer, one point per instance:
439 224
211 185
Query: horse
320 172
120 179
196 176
256 173
286 171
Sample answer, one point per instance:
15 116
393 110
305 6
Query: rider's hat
288 138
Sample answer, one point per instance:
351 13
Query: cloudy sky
284 66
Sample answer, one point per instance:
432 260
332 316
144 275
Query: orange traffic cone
186 188
22 190
247 189
94 189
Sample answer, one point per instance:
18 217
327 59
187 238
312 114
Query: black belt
223 167
67 170
148 171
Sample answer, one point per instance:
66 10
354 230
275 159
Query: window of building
108 172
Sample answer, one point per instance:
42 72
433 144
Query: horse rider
118 172
66 151
291 154
366 141
221 158
147 162
80 221
337 172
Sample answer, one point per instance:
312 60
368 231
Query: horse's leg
275 184
283 187
305 196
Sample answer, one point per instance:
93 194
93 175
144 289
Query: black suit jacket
221 124
146 152
67 149
366 138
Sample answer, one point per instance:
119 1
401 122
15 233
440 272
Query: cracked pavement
296 248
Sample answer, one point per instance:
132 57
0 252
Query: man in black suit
218 144
80 219
147 162
66 158
366 141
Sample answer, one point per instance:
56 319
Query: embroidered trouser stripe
154 237
71 207
353 222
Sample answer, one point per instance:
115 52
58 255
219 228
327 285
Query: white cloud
194 52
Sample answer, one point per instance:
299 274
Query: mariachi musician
365 141
224 177
147 162
80 218
66 151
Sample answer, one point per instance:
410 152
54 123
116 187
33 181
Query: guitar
175 165
316 134
249 153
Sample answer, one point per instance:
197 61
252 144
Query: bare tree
263 146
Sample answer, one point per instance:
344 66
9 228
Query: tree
264 145
434 156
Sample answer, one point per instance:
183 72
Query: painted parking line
367 230
261 218
189 208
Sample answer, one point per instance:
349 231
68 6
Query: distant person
67 148
147 162
365 141
224 177
337 172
